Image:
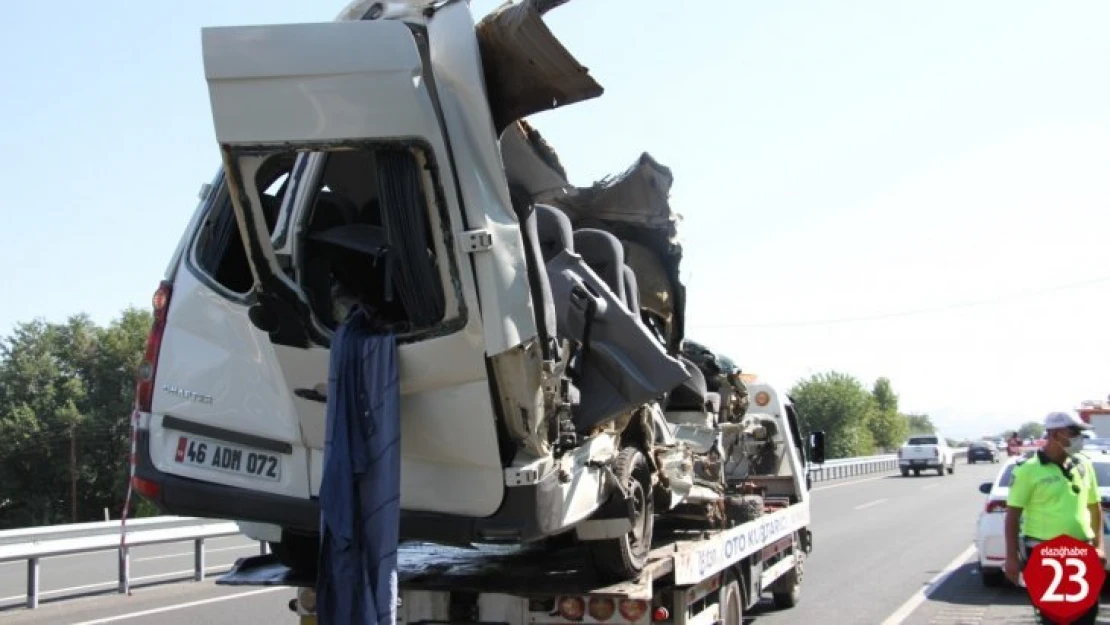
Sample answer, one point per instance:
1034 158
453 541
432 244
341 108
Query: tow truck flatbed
688 557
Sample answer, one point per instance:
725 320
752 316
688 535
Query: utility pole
73 470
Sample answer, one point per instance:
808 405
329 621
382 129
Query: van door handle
311 394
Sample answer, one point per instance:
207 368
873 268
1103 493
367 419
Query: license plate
227 458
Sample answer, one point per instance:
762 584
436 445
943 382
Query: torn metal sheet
527 69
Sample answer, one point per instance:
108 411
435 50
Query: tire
740 509
952 468
732 601
905 472
940 470
917 472
787 590
621 559
993 578
970 461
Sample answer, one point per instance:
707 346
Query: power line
906 313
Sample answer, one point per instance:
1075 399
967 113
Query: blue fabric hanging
360 493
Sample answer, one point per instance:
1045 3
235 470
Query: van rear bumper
188 497
526 514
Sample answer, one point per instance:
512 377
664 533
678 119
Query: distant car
926 452
982 451
990 538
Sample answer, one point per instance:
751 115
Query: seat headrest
554 230
604 254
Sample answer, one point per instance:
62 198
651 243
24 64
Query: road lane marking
183 606
869 504
919 597
849 483
115 583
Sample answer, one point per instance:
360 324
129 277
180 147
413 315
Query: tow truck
693 576
1097 413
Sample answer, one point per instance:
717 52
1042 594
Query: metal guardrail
34 544
841 468
47 542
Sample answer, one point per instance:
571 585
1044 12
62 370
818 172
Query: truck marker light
572 608
633 609
601 608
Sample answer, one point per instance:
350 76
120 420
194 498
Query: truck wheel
621 559
952 468
732 601
905 472
917 472
940 470
787 590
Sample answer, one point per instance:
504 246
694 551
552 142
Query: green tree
66 393
920 424
1031 429
887 426
839 405
884 395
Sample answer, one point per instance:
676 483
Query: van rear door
374 217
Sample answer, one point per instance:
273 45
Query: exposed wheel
917 472
732 602
740 509
622 559
940 470
970 461
905 472
787 590
952 468
993 578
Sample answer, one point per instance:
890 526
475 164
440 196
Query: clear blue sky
838 164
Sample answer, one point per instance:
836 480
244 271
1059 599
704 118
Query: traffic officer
1054 492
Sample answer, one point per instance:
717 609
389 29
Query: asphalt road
880 544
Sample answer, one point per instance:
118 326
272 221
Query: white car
923 452
990 538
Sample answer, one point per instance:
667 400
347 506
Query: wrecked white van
383 159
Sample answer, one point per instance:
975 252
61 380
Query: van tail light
144 385
146 488
995 505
